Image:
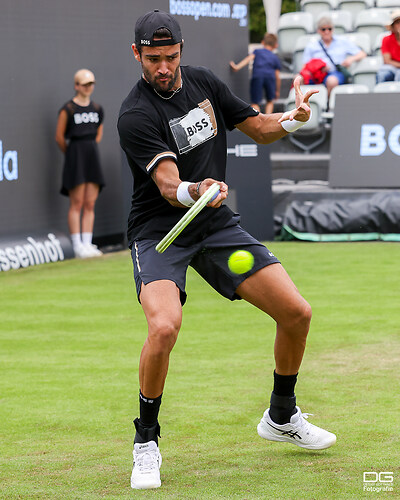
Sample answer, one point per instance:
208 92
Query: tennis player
172 129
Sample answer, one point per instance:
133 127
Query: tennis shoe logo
291 433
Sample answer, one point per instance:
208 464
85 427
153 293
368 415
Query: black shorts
208 257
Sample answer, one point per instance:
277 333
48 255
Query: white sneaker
146 466
93 250
82 252
298 431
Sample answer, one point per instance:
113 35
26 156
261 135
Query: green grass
70 338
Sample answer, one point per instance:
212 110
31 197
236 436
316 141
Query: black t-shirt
83 121
190 128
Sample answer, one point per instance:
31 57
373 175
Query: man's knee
298 318
163 335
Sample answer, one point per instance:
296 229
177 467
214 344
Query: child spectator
266 73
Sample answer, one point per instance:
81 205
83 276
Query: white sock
76 240
87 238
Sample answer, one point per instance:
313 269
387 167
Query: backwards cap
151 22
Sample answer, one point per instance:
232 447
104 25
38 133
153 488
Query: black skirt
82 165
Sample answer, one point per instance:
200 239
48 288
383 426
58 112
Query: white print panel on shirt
86 118
194 128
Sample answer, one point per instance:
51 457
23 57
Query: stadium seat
355 6
342 20
362 40
299 47
365 70
384 4
377 45
317 6
372 22
290 27
350 88
384 87
313 133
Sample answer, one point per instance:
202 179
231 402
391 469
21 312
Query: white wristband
182 194
292 125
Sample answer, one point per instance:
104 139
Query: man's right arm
166 176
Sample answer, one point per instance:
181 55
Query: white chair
342 20
355 6
301 44
385 87
290 27
317 6
351 88
377 45
391 4
372 22
362 40
313 133
365 71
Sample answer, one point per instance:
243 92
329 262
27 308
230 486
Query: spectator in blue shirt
266 73
334 51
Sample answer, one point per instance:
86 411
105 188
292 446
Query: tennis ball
241 261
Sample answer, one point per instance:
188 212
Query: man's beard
154 83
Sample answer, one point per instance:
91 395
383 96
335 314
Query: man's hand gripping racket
214 196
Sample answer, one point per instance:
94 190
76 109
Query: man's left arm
265 129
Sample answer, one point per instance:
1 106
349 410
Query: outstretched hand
302 111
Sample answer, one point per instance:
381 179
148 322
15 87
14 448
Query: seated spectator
390 70
266 73
338 53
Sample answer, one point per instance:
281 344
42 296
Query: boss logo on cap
145 42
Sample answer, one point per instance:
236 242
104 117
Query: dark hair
161 34
270 39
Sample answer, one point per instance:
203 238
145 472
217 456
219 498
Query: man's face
396 26
160 66
326 33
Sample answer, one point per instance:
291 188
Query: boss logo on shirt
194 128
197 127
86 118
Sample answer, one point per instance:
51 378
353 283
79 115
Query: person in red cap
172 127
390 70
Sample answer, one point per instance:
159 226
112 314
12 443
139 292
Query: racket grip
215 195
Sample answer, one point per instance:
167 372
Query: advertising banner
42 45
365 148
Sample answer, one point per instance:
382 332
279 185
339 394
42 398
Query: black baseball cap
151 22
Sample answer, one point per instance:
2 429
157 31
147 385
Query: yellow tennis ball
241 261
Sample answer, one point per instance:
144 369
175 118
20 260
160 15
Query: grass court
71 335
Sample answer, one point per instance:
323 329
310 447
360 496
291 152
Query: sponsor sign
248 175
365 148
29 251
8 164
